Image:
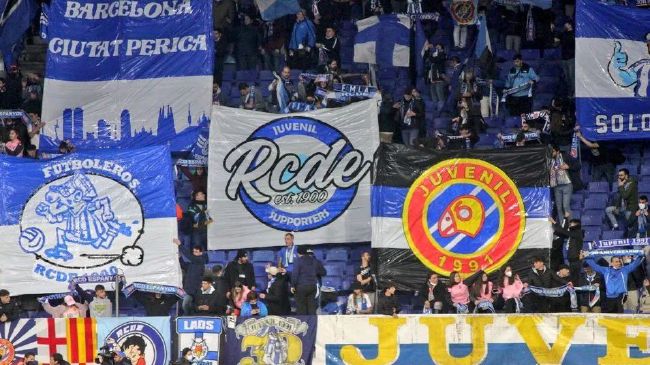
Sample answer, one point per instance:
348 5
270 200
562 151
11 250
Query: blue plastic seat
333 282
264 256
598 187
337 254
216 256
612 235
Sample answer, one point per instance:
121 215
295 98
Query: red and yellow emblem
463 215
7 352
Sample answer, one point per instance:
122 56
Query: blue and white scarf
625 242
484 305
47 298
598 253
91 279
153 288
555 293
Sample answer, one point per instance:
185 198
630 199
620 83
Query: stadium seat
246 75
591 220
216 256
266 76
513 122
319 253
595 202
598 187
552 54
592 235
260 269
634 169
441 123
333 282
262 282
231 255
264 256
336 268
336 254
494 122
530 54
612 235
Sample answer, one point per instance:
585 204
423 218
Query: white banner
307 173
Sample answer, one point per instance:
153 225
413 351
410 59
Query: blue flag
273 9
420 47
383 40
483 39
612 71
14 21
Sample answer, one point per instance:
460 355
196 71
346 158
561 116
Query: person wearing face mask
511 288
639 221
574 237
186 357
434 295
198 213
616 278
626 200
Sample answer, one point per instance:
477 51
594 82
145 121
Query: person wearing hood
575 237
69 309
98 303
200 219
277 292
240 270
307 271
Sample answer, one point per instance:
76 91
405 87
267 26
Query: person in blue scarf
303 40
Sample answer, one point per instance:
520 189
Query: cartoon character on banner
637 74
272 347
83 217
142 343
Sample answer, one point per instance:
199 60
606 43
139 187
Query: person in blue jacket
288 254
523 76
303 40
253 307
615 278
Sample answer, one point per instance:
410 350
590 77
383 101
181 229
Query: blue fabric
283 256
481 41
303 33
14 26
615 279
273 9
521 76
246 309
386 34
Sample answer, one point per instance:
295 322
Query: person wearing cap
288 254
69 309
240 270
358 301
9 309
206 302
520 74
277 293
193 265
307 271
119 358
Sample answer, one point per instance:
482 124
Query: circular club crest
463 12
91 220
300 191
463 215
7 352
142 343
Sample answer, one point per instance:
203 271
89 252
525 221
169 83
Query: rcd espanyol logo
463 215
295 173
83 221
142 343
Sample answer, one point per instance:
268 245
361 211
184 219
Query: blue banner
202 336
271 340
145 340
100 213
612 71
127 73
14 21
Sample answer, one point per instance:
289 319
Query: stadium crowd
449 106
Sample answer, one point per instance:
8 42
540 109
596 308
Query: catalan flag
81 343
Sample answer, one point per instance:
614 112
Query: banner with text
271 340
144 340
481 339
105 212
127 73
202 335
307 173
458 211
612 71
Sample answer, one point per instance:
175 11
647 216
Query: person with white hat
277 292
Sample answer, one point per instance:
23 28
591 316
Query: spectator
459 291
563 303
410 114
307 271
288 254
575 236
481 292
240 270
388 304
252 307
220 54
13 147
460 36
567 40
98 303
223 14
365 274
635 287
358 301
28 359
219 98
277 293
249 99
565 174
602 159
469 137
4 94
236 297
194 268
32 104
57 359
520 74
436 58
512 20
511 290
206 302
156 304
198 213
186 357
639 221
626 201
120 358
69 309
469 88
386 118
303 39
220 286
562 124
434 295
587 300
14 87
329 47
615 278
9 309
289 87
541 277
332 69
248 45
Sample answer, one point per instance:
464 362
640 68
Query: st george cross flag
273 9
383 40
612 71
74 338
